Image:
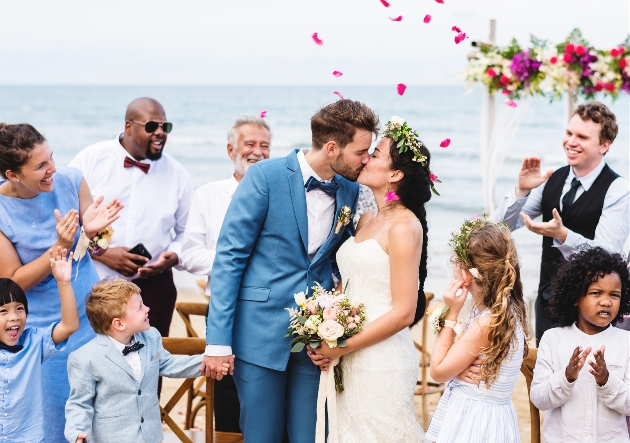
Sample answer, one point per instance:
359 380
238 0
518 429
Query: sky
255 42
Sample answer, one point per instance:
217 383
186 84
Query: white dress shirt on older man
156 203
209 205
583 411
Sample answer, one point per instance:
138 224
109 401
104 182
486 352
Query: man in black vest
583 203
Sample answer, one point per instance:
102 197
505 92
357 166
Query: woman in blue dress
42 207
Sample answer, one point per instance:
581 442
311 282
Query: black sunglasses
152 126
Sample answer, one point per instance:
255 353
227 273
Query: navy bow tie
12 349
133 348
329 188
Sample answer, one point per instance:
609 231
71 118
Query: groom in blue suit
278 238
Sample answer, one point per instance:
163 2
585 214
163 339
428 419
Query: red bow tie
129 163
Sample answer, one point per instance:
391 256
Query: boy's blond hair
107 301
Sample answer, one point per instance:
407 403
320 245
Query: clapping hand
578 358
598 367
81 438
530 177
97 217
553 228
67 227
60 265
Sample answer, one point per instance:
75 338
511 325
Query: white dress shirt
156 203
320 209
209 205
133 358
614 223
583 411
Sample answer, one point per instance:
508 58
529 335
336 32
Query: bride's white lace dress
377 403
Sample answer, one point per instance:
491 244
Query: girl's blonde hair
492 252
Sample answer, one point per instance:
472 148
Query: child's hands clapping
60 265
578 358
598 367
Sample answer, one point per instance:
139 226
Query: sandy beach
520 397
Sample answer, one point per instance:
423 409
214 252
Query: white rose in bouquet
330 331
310 325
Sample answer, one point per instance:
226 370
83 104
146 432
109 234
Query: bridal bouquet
326 316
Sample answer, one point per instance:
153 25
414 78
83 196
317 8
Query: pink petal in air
400 87
511 103
460 38
340 96
263 114
445 143
456 29
427 18
316 39
440 1
337 73
385 3
396 19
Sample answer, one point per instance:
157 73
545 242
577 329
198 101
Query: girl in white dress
482 366
384 267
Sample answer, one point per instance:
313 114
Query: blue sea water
73 117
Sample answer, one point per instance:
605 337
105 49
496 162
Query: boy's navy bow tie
329 188
133 348
12 349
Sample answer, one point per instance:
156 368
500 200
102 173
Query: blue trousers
274 400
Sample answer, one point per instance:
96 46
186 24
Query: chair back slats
527 369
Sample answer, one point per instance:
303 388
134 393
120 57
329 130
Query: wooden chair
425 387
527 369
192 346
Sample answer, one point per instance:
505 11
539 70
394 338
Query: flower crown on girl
460 240
406 139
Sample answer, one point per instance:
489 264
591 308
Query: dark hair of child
10 292
576 274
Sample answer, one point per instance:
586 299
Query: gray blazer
107 402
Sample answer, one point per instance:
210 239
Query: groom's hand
215 367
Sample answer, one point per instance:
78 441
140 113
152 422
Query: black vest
582 218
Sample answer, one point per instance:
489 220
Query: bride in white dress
384 267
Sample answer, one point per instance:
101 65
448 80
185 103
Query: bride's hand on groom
317 359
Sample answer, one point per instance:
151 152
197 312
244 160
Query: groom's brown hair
339 122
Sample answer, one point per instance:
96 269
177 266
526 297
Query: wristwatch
456 326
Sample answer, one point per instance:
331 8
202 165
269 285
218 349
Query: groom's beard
340 167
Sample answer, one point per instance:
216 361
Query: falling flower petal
263 114
427 18
460 38
396 19
385 3
511 103
439 1
317 40
391 196
340 96
456 29
337 73
401 88
445 143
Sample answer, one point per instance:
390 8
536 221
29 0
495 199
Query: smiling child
582 373
23 350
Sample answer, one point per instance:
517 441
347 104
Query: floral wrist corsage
436 312
101 240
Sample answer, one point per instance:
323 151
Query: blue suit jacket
262 260
107 402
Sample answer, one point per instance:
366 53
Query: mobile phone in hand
139 249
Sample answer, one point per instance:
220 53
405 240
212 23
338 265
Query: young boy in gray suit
114 377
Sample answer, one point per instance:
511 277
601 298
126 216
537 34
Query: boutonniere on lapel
345 216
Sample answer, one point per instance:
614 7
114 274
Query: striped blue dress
469 413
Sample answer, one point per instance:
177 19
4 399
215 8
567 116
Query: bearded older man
248 142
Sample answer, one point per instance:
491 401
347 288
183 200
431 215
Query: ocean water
73 117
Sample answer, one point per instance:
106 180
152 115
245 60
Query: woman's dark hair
414 190
576 274
16 143
10 292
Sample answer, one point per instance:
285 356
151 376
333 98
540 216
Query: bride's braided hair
492 252
414 190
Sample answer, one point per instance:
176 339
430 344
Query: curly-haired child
482 366
582 372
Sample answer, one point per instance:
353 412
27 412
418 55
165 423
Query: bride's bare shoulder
406 227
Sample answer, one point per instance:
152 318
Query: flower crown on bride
406 139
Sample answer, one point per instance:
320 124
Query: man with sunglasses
156 192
